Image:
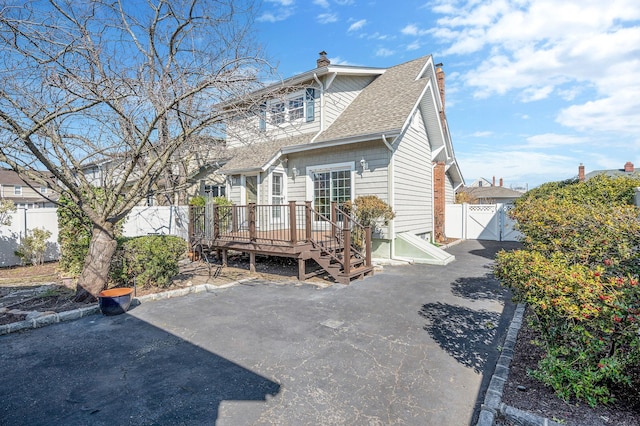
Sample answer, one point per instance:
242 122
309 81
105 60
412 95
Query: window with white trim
296 108
17 189
277 195
214 191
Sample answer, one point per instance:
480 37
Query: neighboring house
26 194
627 170
491 194
482 182
338 132
189 173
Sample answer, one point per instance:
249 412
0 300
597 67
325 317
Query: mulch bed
541 400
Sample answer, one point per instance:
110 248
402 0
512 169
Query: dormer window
277 113
296 108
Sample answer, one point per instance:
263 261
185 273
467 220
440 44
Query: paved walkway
412 345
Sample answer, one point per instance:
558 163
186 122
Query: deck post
252 262
216 222
252 221
302 269
346 257
307 219
224 258
234 218
293 227
190 225
367 245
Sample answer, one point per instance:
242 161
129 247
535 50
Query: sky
533 88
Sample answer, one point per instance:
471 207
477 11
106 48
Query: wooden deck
291 230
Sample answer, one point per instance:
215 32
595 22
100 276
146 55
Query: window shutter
310 104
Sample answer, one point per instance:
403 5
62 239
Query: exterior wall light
364 164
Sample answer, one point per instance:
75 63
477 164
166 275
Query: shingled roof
383 106
256 155
496 193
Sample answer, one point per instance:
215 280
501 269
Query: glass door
329 186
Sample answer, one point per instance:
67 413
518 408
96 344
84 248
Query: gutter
332 143
392 198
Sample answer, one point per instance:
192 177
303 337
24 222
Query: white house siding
241 132
450 196
341 93
371 182
413 181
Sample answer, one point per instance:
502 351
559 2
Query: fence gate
480 222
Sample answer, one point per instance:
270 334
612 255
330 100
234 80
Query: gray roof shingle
383 106
256 155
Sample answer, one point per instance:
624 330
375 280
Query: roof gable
384 105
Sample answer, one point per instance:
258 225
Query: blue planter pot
115 301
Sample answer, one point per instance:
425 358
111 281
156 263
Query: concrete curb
493 397
54 318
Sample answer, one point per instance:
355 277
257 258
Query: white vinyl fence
22 221
157 220
480 222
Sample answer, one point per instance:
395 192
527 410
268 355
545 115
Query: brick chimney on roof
323 61
440 79
581 172
628 167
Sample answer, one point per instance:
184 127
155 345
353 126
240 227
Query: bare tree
117 87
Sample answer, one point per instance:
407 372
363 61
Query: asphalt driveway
413 345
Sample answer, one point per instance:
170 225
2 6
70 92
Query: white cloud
285 9
554 140
327 18
573 50
339 61
482 134
414 46
358 25
517 167
384 52
322 3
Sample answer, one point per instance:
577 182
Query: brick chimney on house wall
581 172
628 167
439 200
323 61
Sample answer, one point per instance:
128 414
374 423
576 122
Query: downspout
433 220
392 198
315 77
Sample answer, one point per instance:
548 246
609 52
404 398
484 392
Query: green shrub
33 246
578 273
74 236
151 260
198 201
369 210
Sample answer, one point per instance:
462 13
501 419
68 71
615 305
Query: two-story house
25 194
337 132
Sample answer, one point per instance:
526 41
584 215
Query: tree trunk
95 272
